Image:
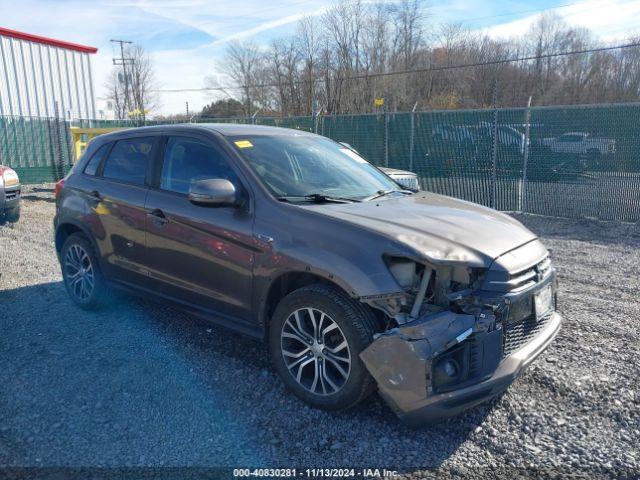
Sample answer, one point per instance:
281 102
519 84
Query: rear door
199 255
116 191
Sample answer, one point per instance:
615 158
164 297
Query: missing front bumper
401 362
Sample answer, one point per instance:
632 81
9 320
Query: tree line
343 60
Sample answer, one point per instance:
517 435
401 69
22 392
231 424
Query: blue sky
187 38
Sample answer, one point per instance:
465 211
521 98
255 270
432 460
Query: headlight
520 310
9 176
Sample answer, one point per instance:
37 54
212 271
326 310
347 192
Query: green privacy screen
577 161
39 149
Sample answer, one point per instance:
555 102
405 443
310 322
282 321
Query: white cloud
266 26
187 68
608 19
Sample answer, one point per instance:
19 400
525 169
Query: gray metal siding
36 76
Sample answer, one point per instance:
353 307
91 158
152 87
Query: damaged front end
461 335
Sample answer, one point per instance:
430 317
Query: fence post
494 146
56 144
523 180
68 145
412 136
386 137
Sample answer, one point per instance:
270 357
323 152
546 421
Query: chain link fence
571 161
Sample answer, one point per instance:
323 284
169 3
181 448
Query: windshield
298 166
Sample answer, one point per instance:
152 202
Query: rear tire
81 272
315 339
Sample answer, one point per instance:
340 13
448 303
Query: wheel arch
285 283
65 229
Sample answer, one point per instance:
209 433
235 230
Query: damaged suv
354 282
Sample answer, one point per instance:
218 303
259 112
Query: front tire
13 215
315 339
81 272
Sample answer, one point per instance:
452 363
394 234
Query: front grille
12 194
525 278
517 335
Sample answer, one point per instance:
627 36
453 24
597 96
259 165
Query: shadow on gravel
39 198
145 384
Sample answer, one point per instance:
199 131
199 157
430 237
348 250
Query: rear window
129 159
96 159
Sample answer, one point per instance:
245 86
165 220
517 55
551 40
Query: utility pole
187 103
123 61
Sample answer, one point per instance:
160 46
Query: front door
199 255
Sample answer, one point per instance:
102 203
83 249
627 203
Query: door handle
158 217
264 238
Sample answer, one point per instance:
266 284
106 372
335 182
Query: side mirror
213 192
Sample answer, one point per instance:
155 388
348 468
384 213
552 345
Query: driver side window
187 159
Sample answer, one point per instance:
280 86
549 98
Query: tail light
9 176
59 186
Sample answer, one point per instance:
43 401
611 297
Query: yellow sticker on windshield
243 144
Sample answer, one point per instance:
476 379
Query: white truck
580 143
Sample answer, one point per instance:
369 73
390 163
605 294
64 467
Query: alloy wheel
79 273
315 351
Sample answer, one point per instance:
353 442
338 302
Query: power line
406 72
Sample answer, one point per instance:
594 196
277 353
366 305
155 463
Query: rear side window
188 159
94 162
129 159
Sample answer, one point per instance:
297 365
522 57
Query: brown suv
355 282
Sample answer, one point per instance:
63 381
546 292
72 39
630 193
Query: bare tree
115 92
309 51
143 81
243 63
408 17
341 61
134 94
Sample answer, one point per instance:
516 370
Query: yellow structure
82 136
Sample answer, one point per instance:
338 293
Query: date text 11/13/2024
315 473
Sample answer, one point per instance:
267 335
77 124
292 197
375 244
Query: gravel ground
146 385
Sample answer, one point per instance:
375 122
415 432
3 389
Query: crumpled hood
442 229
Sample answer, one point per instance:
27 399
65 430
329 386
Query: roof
226 129
232 129
6 32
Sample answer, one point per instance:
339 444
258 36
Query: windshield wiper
318 198
383 193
